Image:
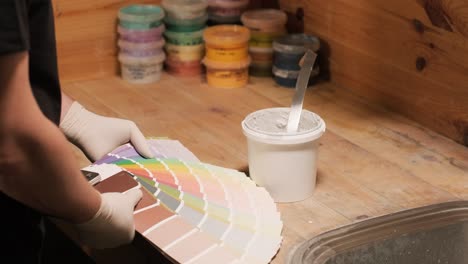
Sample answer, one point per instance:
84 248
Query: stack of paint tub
265 26
141 43
227 58
226 11
288 51
185 21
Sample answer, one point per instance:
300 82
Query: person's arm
98 135
38 169
34 155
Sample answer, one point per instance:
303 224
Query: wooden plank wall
86 37
410 56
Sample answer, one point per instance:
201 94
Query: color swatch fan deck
195 212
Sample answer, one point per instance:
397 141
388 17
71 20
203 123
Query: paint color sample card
196 212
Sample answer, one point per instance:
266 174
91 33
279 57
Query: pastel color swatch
195 212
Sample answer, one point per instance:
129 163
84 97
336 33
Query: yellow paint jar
226 43
234 74
185 52
222 54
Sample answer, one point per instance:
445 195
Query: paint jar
184 9
265 26
260 69
288 51
226 42
285 164
153 45
265 20
264 39
226 11
140 53
220 54
296 44
141 69
184 38
140 17
135 35
234 74
227 8
261 54
185 53
183 68
288 61
288 78
186 25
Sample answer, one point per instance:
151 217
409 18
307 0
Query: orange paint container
233 74
225 39
222 54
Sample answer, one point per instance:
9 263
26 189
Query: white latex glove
113 224
98 135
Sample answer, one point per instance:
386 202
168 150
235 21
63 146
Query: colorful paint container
185 22
158 44
141 69
261 36
185 9
296 44
181 68
289 78
261 54
227 8
265 26
185 53
227 74
184 38
140 42
260 69
220 54
186 25
288 61
140 16
265 20
140 53
226 37
226 11
288 51
138 35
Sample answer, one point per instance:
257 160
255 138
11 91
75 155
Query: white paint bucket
285 164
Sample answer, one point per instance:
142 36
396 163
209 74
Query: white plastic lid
269 126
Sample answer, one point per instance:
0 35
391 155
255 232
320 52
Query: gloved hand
97 135
113 224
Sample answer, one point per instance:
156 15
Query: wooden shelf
371 161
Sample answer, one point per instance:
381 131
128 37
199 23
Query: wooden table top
371 162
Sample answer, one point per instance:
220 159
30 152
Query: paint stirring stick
301 86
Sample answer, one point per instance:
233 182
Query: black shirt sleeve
14 32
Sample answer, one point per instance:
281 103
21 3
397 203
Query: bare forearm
41 173
37 166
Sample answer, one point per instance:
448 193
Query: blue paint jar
288 51
288 78
287 61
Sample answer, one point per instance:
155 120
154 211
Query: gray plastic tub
436 234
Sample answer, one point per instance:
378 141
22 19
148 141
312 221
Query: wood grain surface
371 161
